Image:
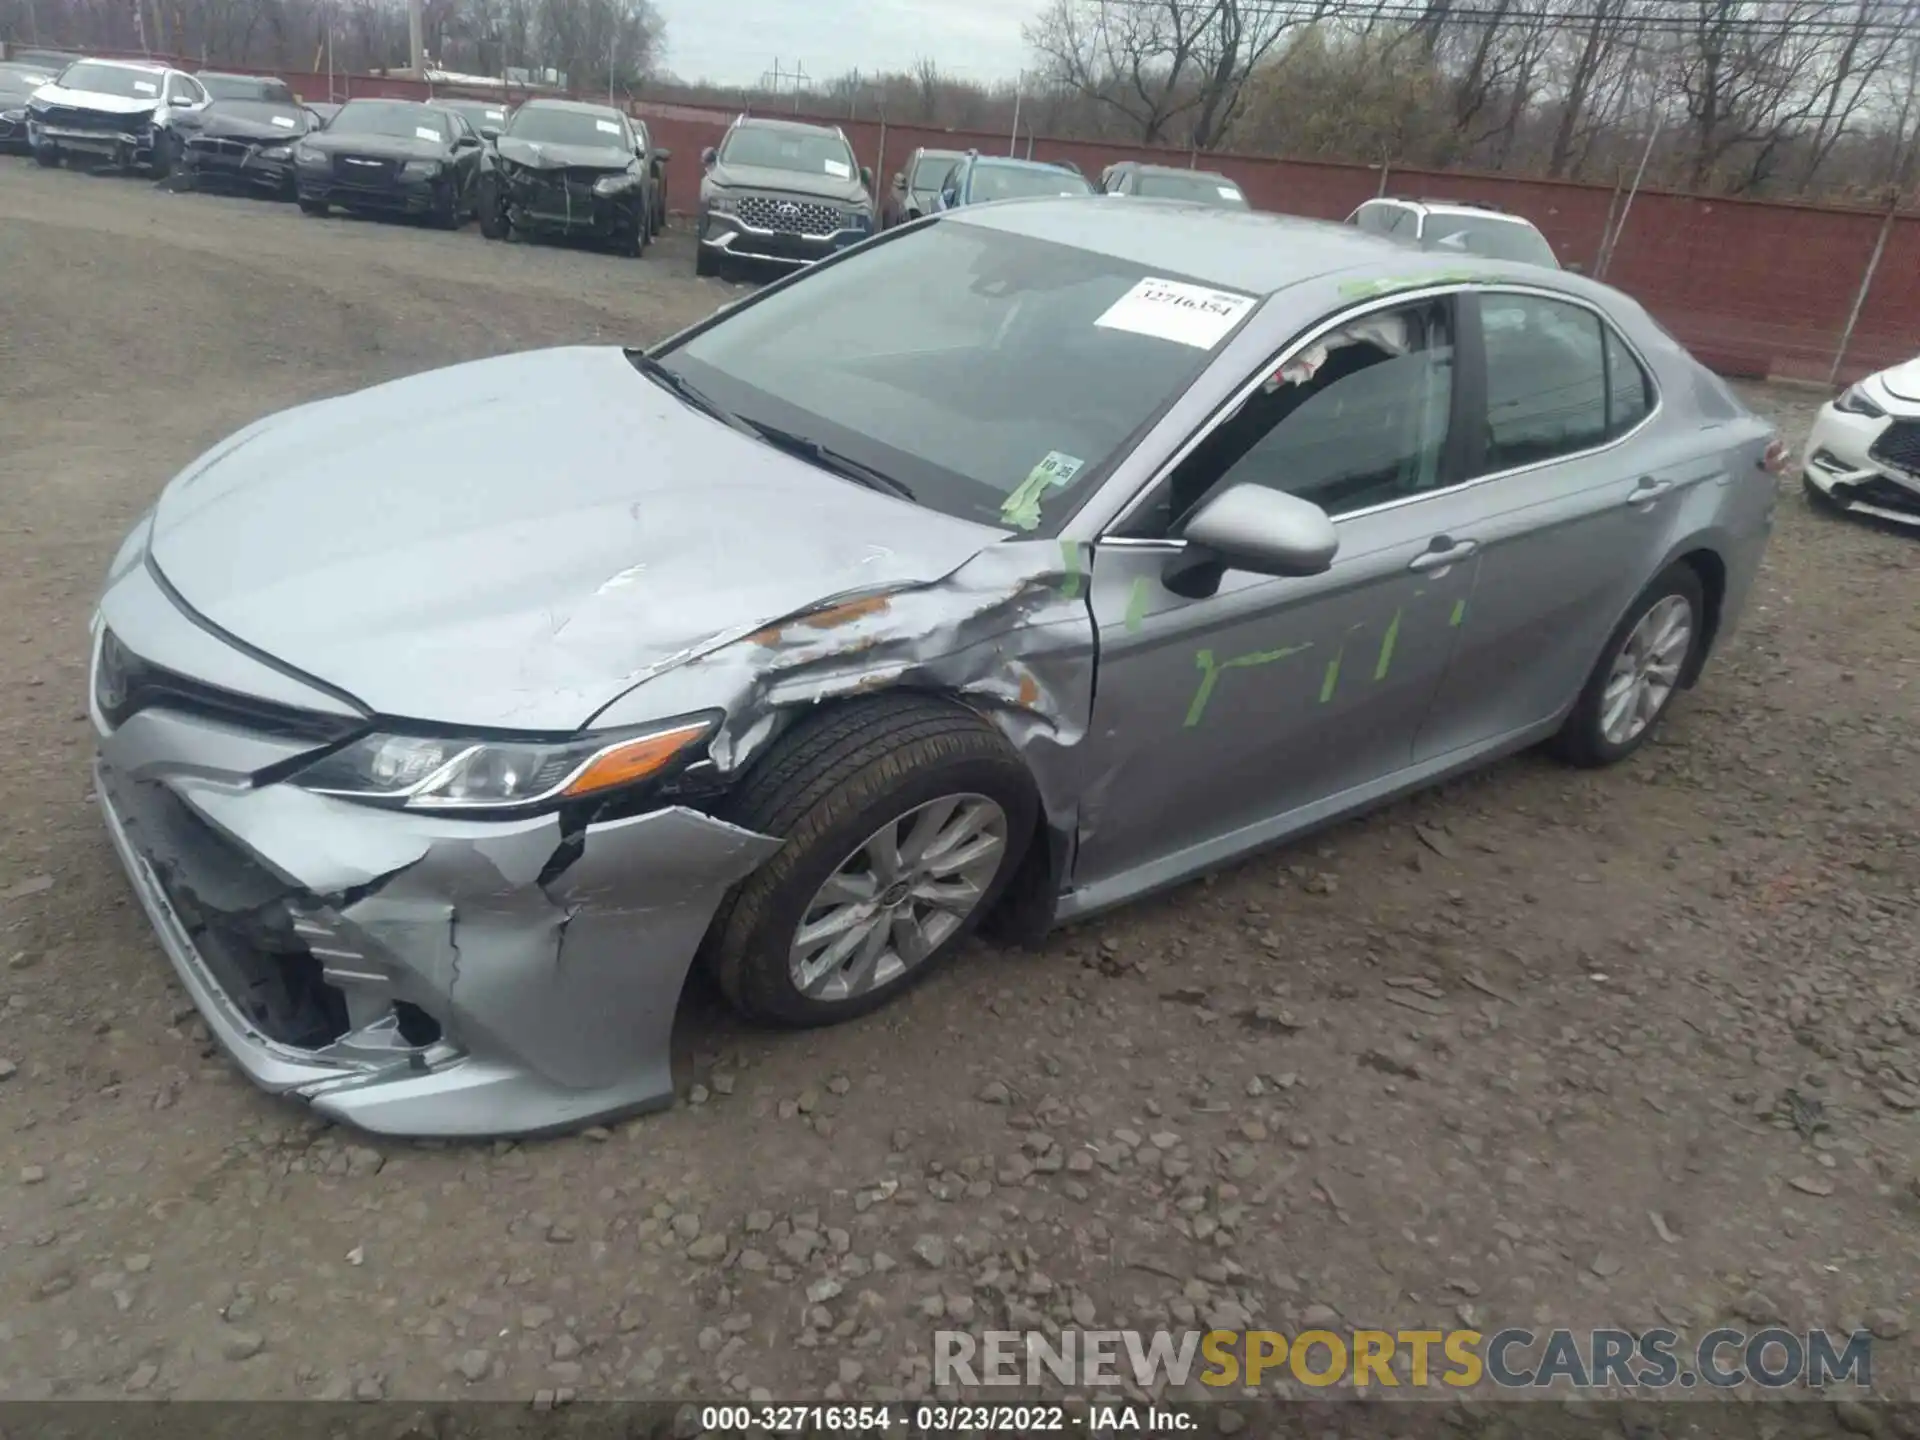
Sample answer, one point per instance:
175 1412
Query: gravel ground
1542 1047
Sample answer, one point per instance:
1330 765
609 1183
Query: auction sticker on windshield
606 127
1171 310
839 169
285 122
426 132
1022 508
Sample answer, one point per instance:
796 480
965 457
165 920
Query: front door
1216 715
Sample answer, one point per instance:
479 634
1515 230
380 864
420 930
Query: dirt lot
1623 1048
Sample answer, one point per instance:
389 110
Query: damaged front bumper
552 204
412 974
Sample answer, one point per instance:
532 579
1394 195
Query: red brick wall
1754 288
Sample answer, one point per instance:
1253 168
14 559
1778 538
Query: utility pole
417 37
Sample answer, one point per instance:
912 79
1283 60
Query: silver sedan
444 726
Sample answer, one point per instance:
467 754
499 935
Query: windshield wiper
815 453
678 384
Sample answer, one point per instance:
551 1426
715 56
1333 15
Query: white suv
1459 226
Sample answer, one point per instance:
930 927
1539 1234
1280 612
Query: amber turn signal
633 760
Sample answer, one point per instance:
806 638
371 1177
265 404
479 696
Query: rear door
1570 498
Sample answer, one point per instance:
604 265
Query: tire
161 160
828 787
494 224
46 156
705 264
633 244
1583 740
446 215
312 207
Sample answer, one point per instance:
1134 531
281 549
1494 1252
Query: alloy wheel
897 898
1647 670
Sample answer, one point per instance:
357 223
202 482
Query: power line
1657 22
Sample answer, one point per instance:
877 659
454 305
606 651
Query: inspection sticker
146 87
1021 509
606 127
427 132
1227 192
839 169
1170 310
285 122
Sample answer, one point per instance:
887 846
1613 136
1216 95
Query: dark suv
781 192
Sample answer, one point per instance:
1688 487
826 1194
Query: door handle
1440 557
1648 491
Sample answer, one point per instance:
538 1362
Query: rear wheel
1639 672
904 819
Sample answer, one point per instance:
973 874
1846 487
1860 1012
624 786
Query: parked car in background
917 187
780 192
1167 182
979 179
125 113
568 169
784 651
656 157
1863 455
246 144
17 84
52 62
222 86
487 117
391 157
1457 227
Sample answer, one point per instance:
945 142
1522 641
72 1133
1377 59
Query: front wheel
904 818
164 155
494 224
1645 660
705 264
46 156
312 207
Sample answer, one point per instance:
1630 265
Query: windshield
1011 182
569 127
1198 187
245 87
1009 371
931 170
402 119
98 79
290 118
477 112
814 152
1495 239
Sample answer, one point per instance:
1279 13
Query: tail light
1778 455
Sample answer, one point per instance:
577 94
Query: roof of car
1146 169
1010 162
144 67
236 75
572 107
1243 250
1477 212
767 122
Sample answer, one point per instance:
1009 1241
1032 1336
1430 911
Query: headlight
1854 401
13 117
307 155
720 203
420 772
420 170
615 184
276 152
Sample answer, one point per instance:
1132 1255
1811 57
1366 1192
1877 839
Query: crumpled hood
516 542
248 120
91 100
538 155
1902 382
821 186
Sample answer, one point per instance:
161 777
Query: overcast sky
735 41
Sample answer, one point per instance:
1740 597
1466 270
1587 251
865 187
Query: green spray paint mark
1459 613
1211 677
1386 647
1137 599
1332 680
1367 289
1070 558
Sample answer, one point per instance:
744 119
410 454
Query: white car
114 112
1459 227
1864 453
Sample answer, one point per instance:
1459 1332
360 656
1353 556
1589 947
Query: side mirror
708 156
662 154
489 132
1250 527
866 176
